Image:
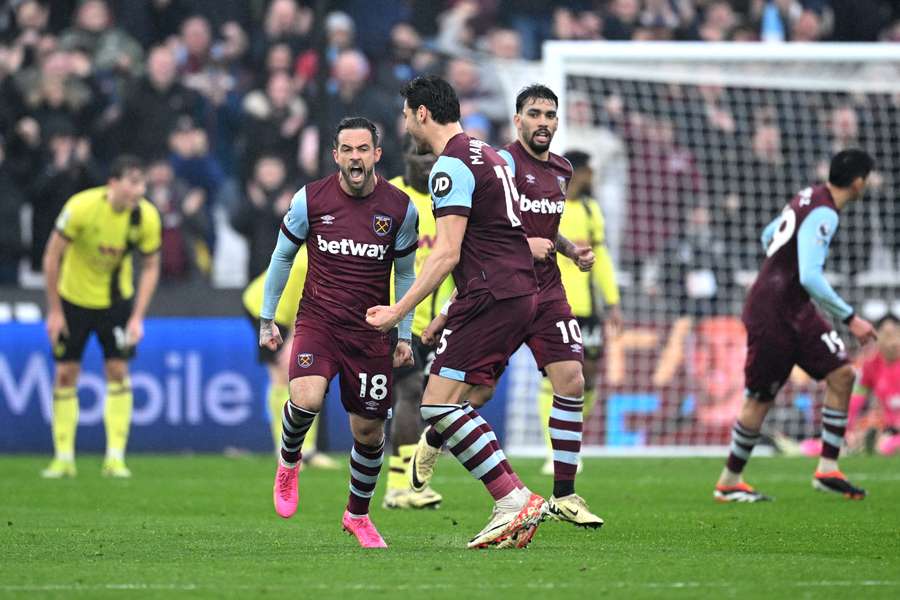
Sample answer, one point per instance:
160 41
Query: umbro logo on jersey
542 206
328 219
352 248
530 178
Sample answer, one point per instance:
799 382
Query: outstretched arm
444 256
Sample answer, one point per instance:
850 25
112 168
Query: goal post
695 148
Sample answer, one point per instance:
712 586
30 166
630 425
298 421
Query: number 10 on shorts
378 390
572 330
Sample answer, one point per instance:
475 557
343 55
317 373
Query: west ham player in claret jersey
784 328
356 226
479 238
554 337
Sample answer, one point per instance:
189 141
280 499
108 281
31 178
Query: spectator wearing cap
154 104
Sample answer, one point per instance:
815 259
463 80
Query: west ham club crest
381 224
562 184
305 360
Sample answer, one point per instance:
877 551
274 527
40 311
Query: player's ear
517 121
377 153
334 153
421 114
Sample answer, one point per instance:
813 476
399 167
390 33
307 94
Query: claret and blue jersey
470 179
796 244
352 244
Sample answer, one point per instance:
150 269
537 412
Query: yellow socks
117 417
397 475
64 422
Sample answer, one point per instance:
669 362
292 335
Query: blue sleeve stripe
451 183
287 233
813 238
505 155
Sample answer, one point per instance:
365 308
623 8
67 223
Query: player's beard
358 189
537 147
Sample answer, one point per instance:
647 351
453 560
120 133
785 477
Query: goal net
695 148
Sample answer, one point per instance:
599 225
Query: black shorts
107 323
264 356
592 334
423 356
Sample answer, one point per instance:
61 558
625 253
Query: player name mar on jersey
348 247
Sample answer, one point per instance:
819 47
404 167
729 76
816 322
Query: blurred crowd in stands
232 102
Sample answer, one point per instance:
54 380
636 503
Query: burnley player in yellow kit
89 271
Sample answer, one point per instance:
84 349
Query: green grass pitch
204 527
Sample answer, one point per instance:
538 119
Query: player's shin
295 425
565 427
365 465
743 440
117 418
834 426
471 444
492 437
64 422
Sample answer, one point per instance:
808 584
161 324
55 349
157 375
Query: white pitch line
432 586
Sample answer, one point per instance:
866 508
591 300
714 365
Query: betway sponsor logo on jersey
352 248
542 206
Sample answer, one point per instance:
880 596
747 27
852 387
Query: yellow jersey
286 311
430 306
582 223
97 267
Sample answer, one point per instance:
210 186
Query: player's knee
569 382
66 375
841 379
369 432
116 372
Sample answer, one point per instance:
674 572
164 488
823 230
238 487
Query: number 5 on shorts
833 341
442 345
378 391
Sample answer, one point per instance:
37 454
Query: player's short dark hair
578 158
435 94
535 91
356 123
124 163
888 318
849 164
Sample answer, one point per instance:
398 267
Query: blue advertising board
197 387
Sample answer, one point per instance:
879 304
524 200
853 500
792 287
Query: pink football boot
285 491
364 530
